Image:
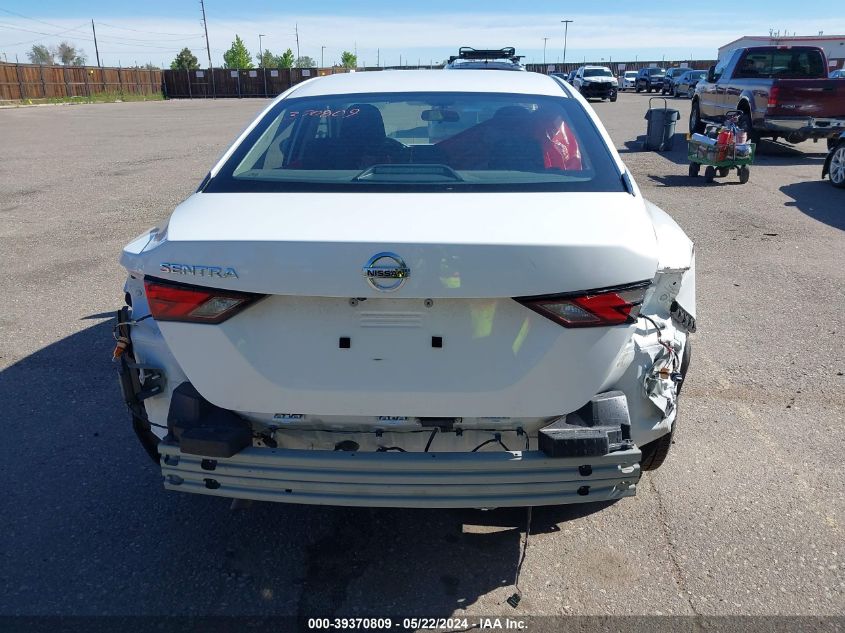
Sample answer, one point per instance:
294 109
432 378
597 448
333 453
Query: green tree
285 60
305 62
69 55
40 54
185 60
266 59
348 60
237 56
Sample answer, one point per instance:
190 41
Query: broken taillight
171 301
592 308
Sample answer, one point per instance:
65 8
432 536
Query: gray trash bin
661 126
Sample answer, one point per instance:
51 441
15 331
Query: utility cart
720 160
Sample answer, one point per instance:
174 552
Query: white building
833 45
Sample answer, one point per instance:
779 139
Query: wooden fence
32 81
224 82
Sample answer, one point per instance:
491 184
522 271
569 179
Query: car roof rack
467 52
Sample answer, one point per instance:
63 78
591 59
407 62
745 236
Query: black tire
613 99
694 169
690 92
638 88
723 171
744 174
831 143
746 124
696 125
709 173
655 453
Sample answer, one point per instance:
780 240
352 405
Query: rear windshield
597 72
656 71
422 142
782 64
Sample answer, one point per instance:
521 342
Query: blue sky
154 30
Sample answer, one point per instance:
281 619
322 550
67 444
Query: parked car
596 82
834 164
685 83
781 92
485 59
458 349
649 79
564 76
837 74
629 80
668 86
571 76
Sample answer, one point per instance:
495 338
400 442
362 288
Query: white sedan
415 289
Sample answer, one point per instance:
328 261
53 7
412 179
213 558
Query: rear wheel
744 174
638 87
709 173
724 171
837 167
655 453
690 92
696 125
745 124
694 169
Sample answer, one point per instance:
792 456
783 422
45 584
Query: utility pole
566 24
96 50
208 49
261 63
545 39
322 56
296 30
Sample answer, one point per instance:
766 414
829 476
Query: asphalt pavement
746 517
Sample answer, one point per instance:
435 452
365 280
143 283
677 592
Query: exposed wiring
517 596
431 439
673 356
497 439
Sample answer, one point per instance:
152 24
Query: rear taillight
171 301
774 93
592 308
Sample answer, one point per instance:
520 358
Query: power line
126 28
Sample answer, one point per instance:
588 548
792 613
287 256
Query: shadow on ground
89 530
818 199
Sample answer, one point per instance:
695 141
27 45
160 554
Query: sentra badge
196 270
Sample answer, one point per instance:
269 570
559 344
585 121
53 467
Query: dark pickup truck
782 91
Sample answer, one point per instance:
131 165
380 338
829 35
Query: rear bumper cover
810 127
410 480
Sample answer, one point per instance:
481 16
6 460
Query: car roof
505 81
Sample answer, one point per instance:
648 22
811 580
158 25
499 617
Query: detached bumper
410 480
810 127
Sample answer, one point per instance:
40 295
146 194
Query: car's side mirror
711 74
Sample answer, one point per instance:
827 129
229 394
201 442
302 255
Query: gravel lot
746 517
